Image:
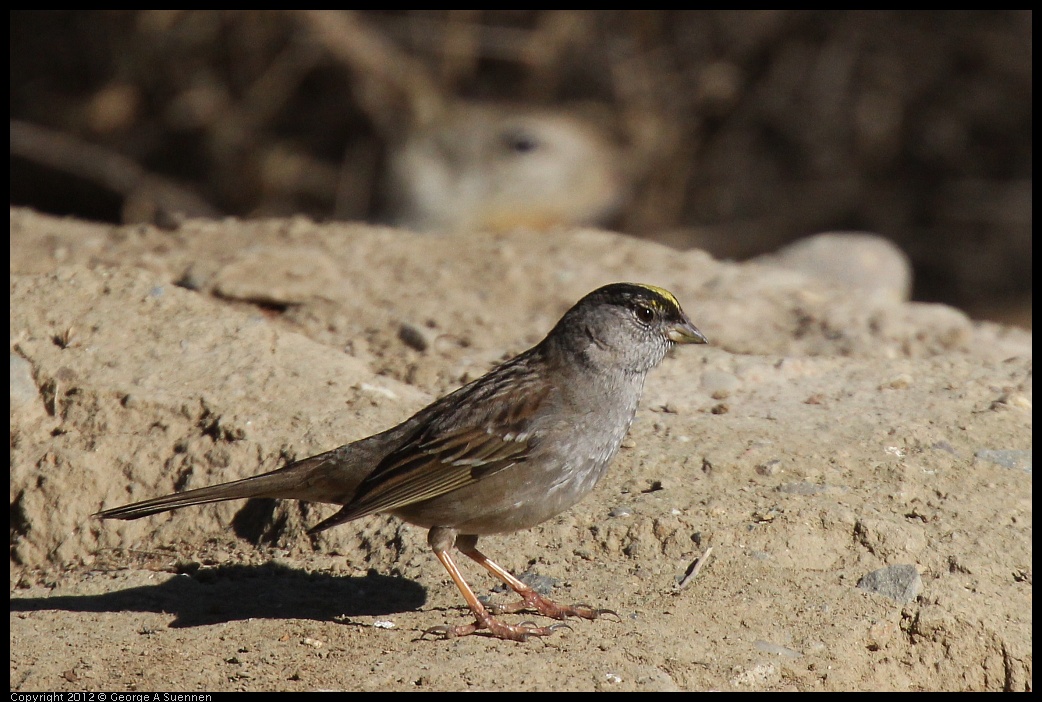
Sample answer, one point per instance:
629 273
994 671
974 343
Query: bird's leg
441 541
530 599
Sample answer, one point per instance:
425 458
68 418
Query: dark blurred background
742 131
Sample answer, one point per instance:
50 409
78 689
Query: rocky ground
825 435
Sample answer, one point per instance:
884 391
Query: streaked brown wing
489 420
435 468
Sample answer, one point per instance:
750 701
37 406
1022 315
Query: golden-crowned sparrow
504 452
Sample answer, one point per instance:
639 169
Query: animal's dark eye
645 314
520 141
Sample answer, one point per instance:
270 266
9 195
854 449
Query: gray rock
802 488
23 388
1009 458
776 649
900 583
868 263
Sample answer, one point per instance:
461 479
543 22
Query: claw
442 631
451 632
519 632
585 611
580 610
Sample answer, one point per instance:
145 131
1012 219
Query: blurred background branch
736 132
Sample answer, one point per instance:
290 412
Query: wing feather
475 432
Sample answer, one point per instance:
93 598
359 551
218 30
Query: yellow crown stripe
662 292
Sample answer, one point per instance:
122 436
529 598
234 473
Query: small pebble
802 488
771 467
23 388
900 583
714 381
414 337
776 649
543 584
898 382
1009 458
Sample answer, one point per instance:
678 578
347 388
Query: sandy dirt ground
821 438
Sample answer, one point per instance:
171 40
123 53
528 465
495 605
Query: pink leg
530 599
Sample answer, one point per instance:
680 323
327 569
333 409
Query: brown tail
328 477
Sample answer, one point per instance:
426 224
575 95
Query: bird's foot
497 629
533 601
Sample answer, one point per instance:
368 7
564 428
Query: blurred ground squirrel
494 167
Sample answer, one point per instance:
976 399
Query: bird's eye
645 314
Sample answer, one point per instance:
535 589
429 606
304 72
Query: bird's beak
685 333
